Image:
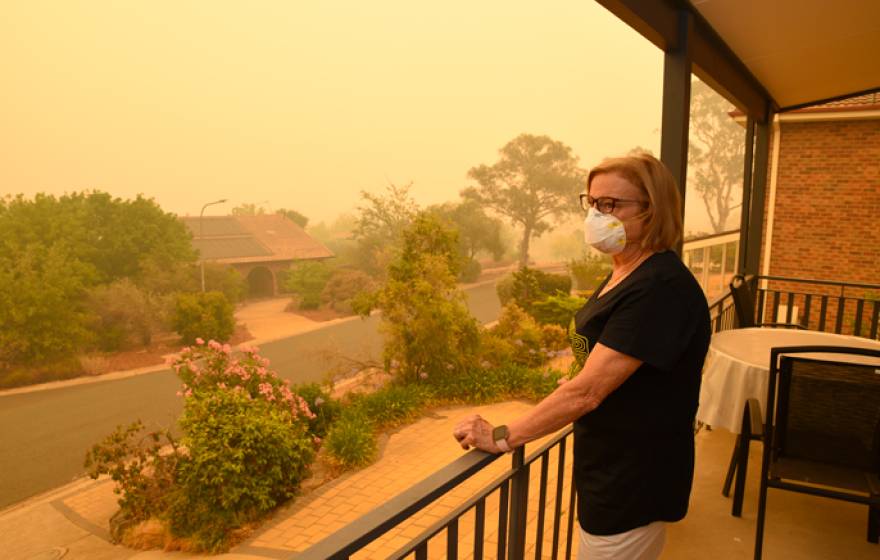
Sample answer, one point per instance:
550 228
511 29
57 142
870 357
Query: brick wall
827 214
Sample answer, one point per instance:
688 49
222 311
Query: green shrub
309 301
393 404
527 286
589 271
519 329
554 339
142 473
556 310
206 315
223 278
495 384
551 284
343 286
351 441
470 271
246 456
495 350
526 289
124 315
540 383
307 280
428 329
325 408
247 442
49 370
504 289
476 386
42 316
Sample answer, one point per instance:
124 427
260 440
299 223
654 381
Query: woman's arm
604 371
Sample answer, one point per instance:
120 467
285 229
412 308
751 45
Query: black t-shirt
634 454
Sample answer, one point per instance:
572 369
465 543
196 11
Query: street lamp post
202 237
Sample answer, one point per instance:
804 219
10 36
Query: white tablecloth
738 364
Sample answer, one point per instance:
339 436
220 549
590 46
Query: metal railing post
519 502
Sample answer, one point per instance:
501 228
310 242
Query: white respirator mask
604 232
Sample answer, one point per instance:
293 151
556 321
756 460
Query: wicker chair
823 429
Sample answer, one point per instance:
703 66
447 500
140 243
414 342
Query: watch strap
499 435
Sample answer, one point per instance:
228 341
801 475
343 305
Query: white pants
641 543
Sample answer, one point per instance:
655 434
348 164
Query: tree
123 315
207 315
307 280
476 231
428 329
42 316
343 286
715 154
380 224
219 278
386 216
637 150
114 238
534 183
341 228
294 216
54 250
248 209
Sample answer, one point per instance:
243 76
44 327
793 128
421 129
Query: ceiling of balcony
768 55
802 51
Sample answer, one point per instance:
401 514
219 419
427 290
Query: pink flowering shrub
245 447
208 367
247 435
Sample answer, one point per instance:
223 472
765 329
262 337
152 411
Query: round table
738 364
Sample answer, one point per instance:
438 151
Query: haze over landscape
304 105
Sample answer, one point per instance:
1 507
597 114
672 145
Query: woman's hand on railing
475 431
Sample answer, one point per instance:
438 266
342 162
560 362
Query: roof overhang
769 55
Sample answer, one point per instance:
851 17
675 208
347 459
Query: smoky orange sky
303 105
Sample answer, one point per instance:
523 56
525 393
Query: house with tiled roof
258 247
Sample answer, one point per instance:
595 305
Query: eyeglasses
606 204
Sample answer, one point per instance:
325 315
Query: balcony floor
798 526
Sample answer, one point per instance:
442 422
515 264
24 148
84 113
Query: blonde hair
663 227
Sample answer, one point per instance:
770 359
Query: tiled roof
240 239
866 102
855 103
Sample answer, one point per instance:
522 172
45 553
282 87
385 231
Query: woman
640 342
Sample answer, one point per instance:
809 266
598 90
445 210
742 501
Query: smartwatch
499 436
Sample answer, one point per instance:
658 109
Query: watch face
499 433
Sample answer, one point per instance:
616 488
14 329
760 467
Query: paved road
44 435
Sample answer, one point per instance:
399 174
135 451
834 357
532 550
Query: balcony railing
838 307
518 524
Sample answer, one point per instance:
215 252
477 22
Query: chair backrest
743 301
827 410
